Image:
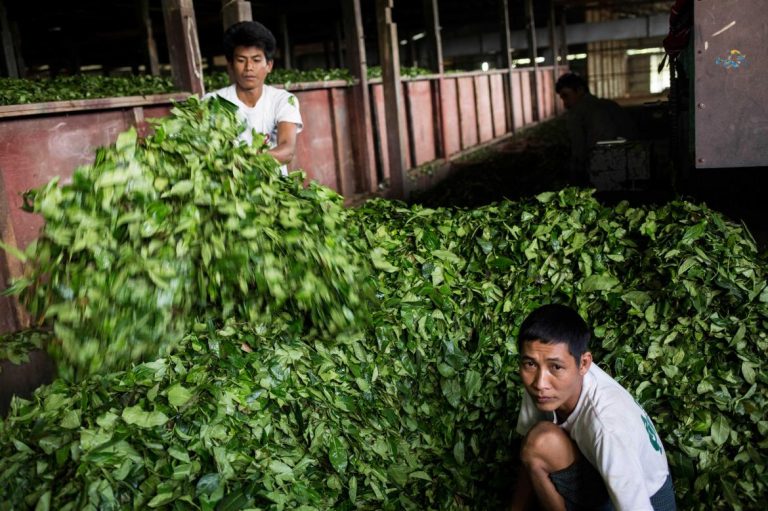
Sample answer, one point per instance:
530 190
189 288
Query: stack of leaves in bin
417 410
182 226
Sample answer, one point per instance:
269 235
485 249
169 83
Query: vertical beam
287 60
553 48
183 45
362 121
435 63
235 11
147 34
506 58
389 54
434 36
9 51
338 44
563 39
534 53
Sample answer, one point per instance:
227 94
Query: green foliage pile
184 226
416 410
286 77
17 91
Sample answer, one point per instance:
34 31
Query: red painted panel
451 129
343 140
498 105
543 95
423 120
484 113
518 110
525 82
467 112
34 150
314 145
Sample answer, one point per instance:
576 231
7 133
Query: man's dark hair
249 33
572 81
555 323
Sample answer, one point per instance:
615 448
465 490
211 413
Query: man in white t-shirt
587 443
249 48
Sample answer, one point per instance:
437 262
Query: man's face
570 96
551 375
249 67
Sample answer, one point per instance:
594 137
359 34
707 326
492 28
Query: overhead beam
183 45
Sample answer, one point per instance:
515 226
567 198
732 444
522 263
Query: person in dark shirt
590 119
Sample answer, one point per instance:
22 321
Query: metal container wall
444 116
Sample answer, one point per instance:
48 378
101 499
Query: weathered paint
483 106
422 126
467 112
498 105
451 128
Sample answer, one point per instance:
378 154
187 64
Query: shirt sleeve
287 110
619 464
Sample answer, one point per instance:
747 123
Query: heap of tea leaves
16 91
185 226
417 409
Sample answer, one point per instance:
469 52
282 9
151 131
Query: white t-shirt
615 435
273 107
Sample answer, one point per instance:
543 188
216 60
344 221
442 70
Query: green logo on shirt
651 433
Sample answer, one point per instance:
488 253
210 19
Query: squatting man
587 443
249 48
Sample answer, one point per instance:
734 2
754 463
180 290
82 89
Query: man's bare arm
286 142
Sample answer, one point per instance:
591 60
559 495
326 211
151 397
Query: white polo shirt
615 435
273 107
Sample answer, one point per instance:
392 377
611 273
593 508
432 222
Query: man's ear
586 362
270 63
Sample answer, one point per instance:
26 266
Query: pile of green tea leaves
184 226
416 408
16 91
287 77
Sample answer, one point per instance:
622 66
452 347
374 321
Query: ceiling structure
57 35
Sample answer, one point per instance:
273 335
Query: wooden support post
389 54
235 11
434 37
9 51
150 47
183 45
506 58
435 62
362 122
287 60
534 53
563 39
338 45
553 50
